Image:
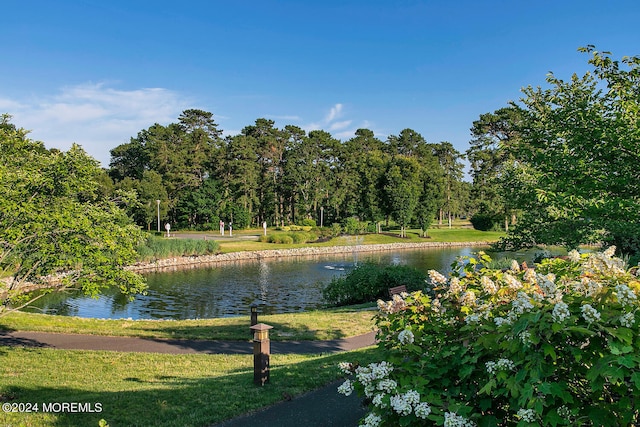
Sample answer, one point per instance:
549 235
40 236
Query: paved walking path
320 408
175 346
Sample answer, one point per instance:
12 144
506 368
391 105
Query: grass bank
310 325
413 236
136 389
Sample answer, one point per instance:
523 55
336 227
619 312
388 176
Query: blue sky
96 72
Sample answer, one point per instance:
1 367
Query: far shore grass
443 234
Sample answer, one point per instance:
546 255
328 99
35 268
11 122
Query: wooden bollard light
254 316
261 352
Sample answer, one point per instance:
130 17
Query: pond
284 285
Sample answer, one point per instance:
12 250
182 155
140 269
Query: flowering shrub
553 346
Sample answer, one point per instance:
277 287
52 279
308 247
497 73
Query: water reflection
280 286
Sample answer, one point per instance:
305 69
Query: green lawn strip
311 325
141 389
443 234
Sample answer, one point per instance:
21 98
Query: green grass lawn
311 325
137 389
444 234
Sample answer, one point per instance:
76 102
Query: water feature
278 285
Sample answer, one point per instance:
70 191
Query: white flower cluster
345 367
468 299
403 404
512 282
547 285
515 267
530 276
346 388
625 295
528 415
525 338
452 419
396 304
377 400
368 375
564 412
422 410
604 263
574 256
371 420
499 321
500 365
560 312
455 287
488 285
590 314
406 337
521 304
437 278
627 320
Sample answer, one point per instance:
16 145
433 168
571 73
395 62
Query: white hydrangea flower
589 313
387 385
400 405
345 367
625 295
371 420
512 282
468 298
525 337
560 312
521 304
515 267
437 278
406 337
488 285
377 400
528 415
500 365
547 285
412 396
574 256
346 388
472 319
609 252
530 276
452 419
564 412
422 410
627 320
499 321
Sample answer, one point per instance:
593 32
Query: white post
158 202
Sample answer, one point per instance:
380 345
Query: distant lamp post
321 216
158 202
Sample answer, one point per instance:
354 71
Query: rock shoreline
309 251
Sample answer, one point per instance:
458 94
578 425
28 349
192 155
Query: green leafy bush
369 281
308 222
289 238
485 222
554 346
157 248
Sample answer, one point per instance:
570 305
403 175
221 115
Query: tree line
285 176
563 165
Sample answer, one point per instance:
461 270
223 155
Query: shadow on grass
168 400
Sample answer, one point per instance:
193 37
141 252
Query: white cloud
334 113
96 116
341 129
340 125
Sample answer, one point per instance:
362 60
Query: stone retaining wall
195 261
